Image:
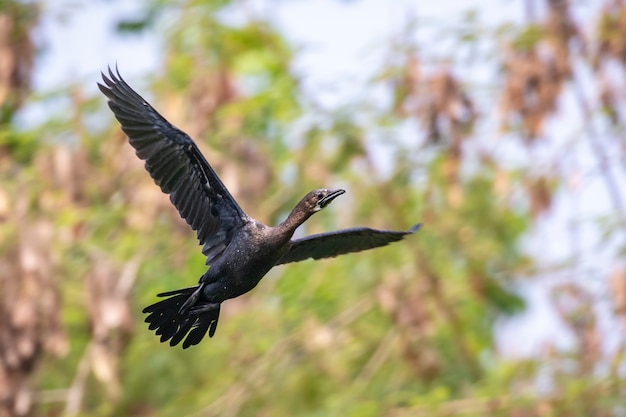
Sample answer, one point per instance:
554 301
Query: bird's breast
243 264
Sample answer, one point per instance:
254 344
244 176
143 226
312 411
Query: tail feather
188 290
184 329
169 322
203 323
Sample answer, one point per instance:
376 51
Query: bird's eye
320 195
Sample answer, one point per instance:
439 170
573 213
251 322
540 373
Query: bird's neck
293 221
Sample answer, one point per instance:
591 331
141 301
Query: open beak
330 197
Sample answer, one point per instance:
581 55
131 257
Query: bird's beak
330 197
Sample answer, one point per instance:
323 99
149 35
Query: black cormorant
239 249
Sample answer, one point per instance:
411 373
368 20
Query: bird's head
318 199
310 204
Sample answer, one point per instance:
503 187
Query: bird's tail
182 314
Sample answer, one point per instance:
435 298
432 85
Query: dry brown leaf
617 284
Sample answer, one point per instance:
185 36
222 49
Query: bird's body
239 249
250 255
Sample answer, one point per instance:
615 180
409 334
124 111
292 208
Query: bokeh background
498 124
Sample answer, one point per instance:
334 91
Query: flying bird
239 250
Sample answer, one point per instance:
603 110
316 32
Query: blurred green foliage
407 329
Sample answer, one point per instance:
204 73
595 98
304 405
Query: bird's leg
204 308
193 298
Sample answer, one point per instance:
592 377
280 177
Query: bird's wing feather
328 245
177 166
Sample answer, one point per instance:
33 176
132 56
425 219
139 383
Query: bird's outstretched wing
328 245
177 166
